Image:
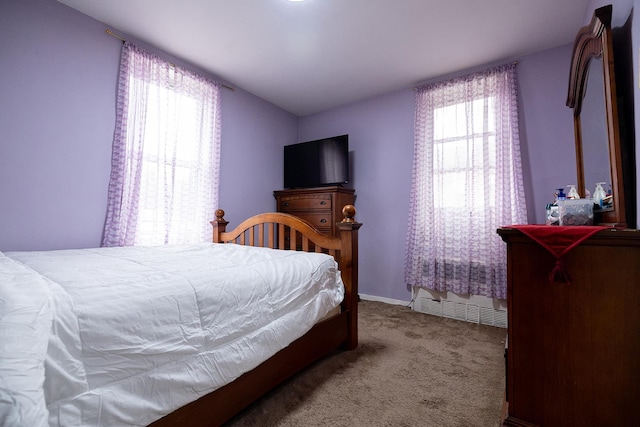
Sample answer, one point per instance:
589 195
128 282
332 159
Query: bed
141 336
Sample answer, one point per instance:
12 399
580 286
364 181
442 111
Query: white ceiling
314 55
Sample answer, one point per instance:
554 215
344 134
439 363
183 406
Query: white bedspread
132 334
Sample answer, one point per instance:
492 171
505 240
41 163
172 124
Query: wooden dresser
321 206
574 349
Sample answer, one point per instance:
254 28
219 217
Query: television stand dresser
573 357
320 206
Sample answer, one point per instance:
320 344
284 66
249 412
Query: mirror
592 95
593 120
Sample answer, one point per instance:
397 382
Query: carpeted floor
410 369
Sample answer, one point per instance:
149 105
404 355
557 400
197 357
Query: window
465 154
165 165
467 182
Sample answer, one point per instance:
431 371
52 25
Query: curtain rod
458 74
111 33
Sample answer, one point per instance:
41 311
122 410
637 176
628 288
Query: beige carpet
410 369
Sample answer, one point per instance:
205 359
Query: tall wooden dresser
320 206
573 357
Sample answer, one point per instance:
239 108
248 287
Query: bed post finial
349 212
219 225
349 267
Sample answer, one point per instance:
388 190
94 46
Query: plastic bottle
599 193
573 193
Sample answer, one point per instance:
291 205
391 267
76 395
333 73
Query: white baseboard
387 300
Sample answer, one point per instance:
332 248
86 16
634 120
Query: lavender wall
546 127
381 132
57 112
253 133
635 47
381 138
635 42
381 144
58 81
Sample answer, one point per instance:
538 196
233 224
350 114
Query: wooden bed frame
282 231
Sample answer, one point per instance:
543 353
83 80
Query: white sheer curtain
467 182
166 154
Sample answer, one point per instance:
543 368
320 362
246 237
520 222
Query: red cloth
558 240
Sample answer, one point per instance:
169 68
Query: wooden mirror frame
595 41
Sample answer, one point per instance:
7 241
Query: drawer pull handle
323 202
286 203
323 221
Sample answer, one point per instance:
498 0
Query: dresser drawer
321 221
287 204
321 207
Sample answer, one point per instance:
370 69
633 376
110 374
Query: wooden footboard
286 232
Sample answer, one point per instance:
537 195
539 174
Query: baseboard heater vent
463 311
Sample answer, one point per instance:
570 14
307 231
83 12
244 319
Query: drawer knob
323 221
286 203
323 202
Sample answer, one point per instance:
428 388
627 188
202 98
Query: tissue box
575 211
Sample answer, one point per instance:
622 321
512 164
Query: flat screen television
317 163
